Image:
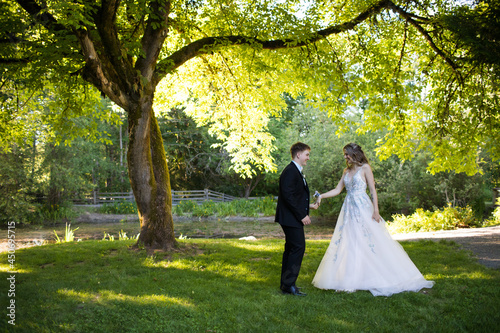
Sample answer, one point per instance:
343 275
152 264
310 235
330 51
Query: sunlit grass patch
106 296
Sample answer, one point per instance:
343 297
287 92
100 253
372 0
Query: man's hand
314 205
306 220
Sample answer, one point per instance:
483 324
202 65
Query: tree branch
43 17
95 73
153 38
14 61
420 29
12 39
117 64
205 45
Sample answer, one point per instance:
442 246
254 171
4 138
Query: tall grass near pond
69 235
241 207
43 214
123 207
232 286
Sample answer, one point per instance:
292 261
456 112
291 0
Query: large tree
233 59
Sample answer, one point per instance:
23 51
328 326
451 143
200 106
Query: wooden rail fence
99 198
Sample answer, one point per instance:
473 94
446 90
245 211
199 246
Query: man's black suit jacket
293 197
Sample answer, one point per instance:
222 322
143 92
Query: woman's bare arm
370 181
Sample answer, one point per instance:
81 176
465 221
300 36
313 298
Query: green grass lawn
226 285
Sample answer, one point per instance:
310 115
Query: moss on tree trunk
149 177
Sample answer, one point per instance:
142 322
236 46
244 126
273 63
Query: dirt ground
484 243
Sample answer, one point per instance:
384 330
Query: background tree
216 50
194 163
14 184
35 163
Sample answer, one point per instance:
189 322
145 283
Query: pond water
98 226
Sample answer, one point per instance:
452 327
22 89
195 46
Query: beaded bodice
354 184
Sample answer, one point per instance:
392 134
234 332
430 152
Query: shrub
446 218
121 207
495 216
207 208
51 214
496 212
241 207
184 207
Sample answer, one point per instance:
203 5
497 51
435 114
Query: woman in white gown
362 254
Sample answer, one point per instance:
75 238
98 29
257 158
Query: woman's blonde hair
356 153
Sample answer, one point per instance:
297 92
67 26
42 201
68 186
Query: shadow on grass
232 286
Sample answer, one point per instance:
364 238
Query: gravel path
483 242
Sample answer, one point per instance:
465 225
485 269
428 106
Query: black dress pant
295 247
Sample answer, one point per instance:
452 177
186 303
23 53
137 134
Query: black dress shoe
293 291
282 288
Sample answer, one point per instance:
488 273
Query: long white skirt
363 256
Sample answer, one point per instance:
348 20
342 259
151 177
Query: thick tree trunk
149 177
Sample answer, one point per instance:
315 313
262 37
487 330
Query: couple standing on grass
362 254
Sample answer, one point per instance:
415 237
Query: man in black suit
292 213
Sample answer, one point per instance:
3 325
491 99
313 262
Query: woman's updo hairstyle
356 153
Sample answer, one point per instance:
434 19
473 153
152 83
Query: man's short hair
298 147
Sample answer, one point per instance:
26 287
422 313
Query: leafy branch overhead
113 60
124 46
